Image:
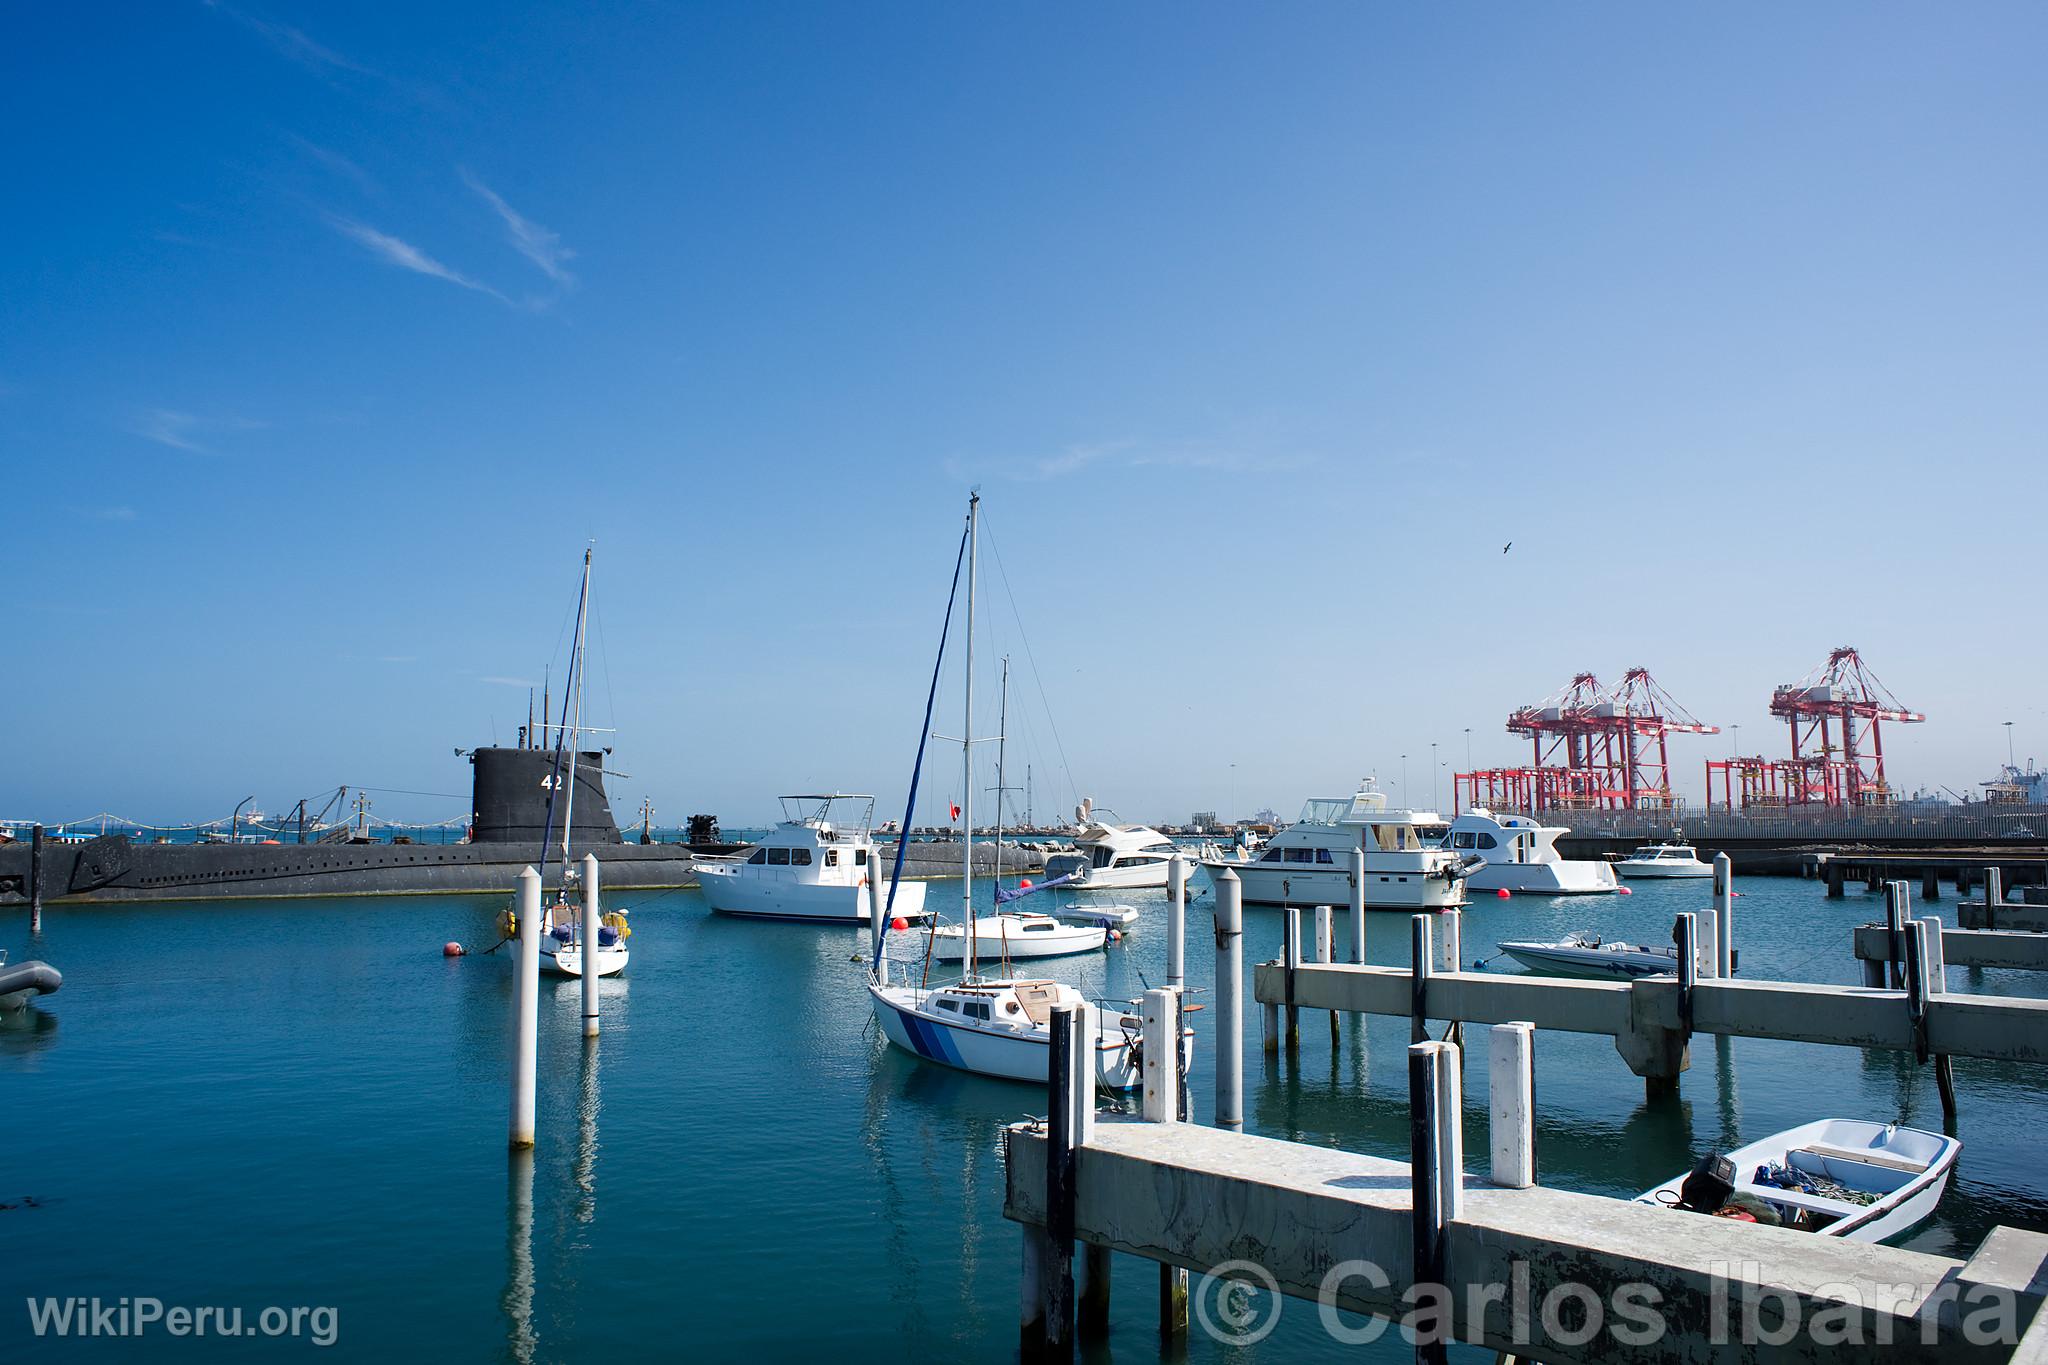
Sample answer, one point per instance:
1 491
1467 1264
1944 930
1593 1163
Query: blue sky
333 334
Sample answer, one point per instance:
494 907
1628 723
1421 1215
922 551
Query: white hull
1591 964
1136 877
567 960
1003 936
1564 878
1302 884
1911 1185
1654 871
1005 1053
730 891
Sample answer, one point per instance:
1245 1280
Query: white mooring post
589 945
1511 1091
1724 916
1176 920
1290 956
1422 956
1326 952
1994 893
1160 1017
1895 916
1229 1001
877 931
1070 1064
526 1010
1358 906
1708 959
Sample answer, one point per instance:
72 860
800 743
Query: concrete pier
2012 949
1521 1265
1643 1016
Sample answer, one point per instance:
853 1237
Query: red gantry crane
1835 715
1592 750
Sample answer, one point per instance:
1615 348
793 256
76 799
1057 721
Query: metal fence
1958 824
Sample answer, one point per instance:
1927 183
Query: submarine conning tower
510 792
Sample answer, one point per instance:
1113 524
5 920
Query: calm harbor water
303 1103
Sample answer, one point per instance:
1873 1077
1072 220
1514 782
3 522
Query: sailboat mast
576 714
1002 748
967 749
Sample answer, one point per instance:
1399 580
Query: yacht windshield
1323 811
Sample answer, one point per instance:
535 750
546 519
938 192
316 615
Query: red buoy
1503 893
1623 891
899 923
452 950
1116 936
1025 883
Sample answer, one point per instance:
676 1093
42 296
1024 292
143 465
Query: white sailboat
1002 1026
562 950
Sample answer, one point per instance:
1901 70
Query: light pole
2010 760
1232 813
1738 741
1404 781
1433 793
1468 748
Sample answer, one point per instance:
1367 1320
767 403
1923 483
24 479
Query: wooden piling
590 927
1069 1069
1160 1018
1916 985
35 880
1511 1094
526 1010
1358 905
1094 1305
1835 892
1421 951
1229 1043
1432 1077
1895 933
1722 944
1937 984
1176 920
1290 957
1930 885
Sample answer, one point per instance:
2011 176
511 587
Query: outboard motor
1709 1185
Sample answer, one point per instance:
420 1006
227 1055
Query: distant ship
509 789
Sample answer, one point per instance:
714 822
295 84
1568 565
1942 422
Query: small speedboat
1590 956
1017 935
1868 1182
25 980
1663 860
1103 914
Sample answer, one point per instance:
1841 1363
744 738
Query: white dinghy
1868 1182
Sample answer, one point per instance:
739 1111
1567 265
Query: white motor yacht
809 867
1309 862
1663 860
1521 855
1106 854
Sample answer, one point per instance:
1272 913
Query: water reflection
586 1136
520 1338
27 1030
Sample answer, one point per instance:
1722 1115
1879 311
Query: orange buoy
1503 893
452 950
899 923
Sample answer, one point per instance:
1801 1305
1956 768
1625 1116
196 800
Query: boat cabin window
800 857
977 1009
1271 855
831 857
1100 856
1323 856
860 857
760 856
1301 855
949 1005
1396 838
1488 841
778 857
1038 927
1461 839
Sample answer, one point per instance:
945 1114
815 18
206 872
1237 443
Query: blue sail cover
917 768
1018 893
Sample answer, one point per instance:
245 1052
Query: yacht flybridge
1521 855
812 866
1000 1026
1309 862
1106 854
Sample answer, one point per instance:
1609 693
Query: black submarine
509 820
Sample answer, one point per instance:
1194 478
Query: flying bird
1509 546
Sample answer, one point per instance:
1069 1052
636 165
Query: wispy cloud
292 42
1128 454
509 682
397 658
107 513
184 430
403 254
335 162
530 239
